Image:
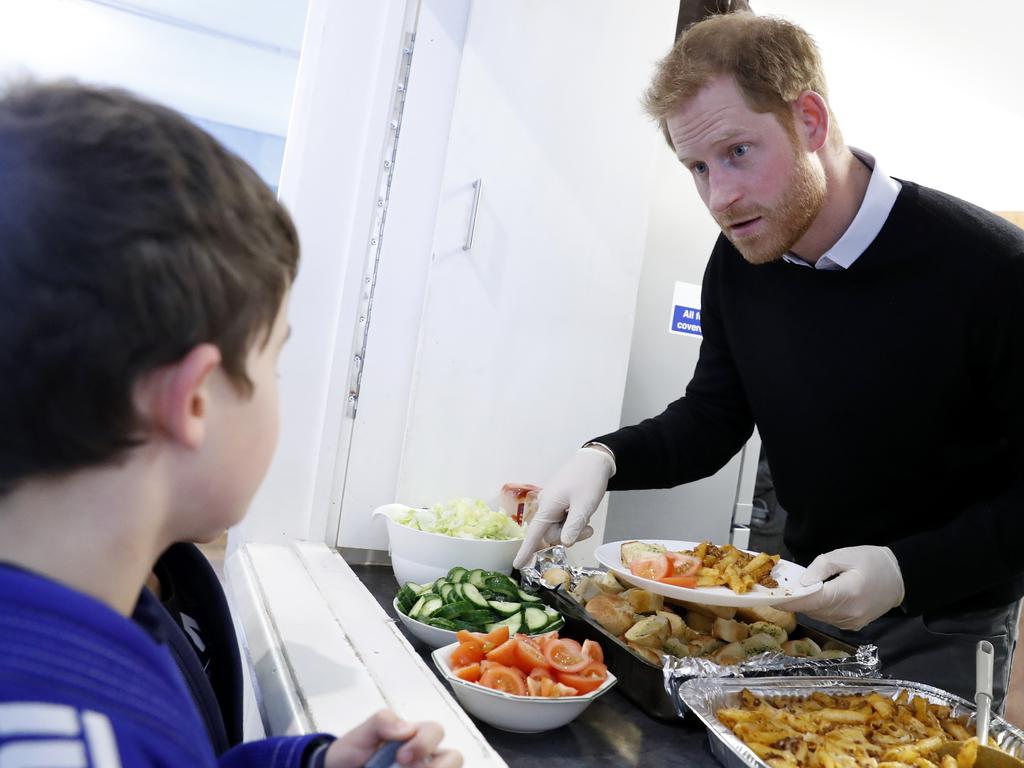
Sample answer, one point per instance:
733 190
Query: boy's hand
421 748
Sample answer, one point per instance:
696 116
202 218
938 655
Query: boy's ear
175 399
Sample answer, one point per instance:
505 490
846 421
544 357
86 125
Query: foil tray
649 686
703 697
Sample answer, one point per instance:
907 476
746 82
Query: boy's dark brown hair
772 60
127 236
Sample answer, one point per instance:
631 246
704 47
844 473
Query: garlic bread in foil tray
650 640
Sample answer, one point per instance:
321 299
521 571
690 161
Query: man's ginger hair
772 61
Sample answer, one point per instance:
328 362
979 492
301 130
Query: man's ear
175 399
811 119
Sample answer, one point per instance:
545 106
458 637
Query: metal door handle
478 186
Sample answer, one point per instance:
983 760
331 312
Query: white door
523 338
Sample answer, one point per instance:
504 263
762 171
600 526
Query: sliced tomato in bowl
529 657
469 652
504 679
470 673
593 650
535 680
504 653
553 689
566 655
588 679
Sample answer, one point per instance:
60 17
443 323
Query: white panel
740 537
325 654
196 73
409 687
524 339
277 697
333 156
744 512
370 477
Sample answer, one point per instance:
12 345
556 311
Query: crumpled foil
553 557
863 662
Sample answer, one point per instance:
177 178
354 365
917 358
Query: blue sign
686 320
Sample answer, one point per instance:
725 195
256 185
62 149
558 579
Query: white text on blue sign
686 320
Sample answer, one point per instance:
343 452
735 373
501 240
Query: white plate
786 573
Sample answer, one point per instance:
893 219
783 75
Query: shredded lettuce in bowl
462 519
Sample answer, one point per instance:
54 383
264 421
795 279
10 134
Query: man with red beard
872 329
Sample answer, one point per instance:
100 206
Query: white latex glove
868 582
571 496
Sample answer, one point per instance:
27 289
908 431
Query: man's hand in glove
867 584
571 496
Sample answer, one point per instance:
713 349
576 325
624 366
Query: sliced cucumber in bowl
476 600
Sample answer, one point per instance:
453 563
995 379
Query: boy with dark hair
144 280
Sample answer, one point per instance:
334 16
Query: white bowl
419 557
518 714
435 637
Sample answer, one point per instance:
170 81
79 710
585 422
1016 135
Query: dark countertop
611 732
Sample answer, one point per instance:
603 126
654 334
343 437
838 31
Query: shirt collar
879 198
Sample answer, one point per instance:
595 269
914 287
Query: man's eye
699 168
740 150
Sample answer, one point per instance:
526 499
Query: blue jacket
82 685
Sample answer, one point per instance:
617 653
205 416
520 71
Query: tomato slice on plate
689 582
502 678
566 655
593 650
683 565
654 567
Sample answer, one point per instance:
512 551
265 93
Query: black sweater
889 397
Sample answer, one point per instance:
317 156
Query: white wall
932 88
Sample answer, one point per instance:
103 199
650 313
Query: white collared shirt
879 198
